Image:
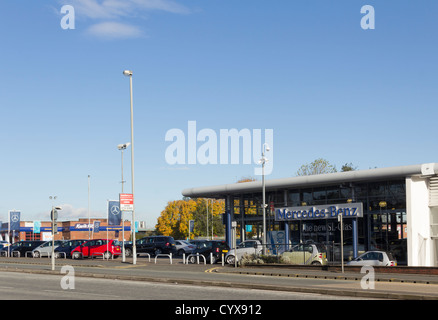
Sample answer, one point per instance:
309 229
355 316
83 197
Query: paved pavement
387 286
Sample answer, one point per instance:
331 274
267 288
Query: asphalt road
296 283
28 286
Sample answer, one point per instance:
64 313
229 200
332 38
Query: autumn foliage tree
174 219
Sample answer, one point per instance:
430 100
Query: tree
348 167
174 219
319 166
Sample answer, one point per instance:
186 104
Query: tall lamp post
54 218
263 160
122 147
128 73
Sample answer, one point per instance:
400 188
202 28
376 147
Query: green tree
348 167
319 166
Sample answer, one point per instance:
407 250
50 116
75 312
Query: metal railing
163 255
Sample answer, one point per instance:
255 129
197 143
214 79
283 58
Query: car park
97 247
313 254
374 258
245 247
210 249
45 249
182 246
64 250
20 248
153 245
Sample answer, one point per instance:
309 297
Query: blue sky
305 69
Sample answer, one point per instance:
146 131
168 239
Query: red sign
126 201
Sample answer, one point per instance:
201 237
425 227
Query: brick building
67 230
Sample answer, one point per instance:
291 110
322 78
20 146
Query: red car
97 247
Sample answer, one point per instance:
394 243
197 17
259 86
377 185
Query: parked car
4 243
183 246
45 248
67 247
153 245
205 248
374 258
313 254
246 247
96 247
21 247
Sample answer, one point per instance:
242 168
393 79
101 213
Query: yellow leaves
174 219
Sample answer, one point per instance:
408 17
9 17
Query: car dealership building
392 209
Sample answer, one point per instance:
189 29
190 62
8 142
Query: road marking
212 270
84 293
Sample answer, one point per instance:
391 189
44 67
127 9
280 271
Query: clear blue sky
305 69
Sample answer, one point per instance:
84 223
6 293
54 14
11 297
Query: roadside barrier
197 258
163 255
15 251
38 254
145 253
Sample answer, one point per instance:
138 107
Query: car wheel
107 255
76 255
192 259
36 254
128 252
230 259
316 263
158 251
180 252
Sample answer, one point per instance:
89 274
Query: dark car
65 249
205 248
153 245
21 247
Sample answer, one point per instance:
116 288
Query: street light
128 73
54 217
263 160
122 147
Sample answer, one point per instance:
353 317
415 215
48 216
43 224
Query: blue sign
114 213
327 211
96 226
36 226
14 220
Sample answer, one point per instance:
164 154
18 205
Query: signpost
126 202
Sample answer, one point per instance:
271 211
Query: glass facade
382 227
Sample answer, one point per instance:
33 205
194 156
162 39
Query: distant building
67 230
393 209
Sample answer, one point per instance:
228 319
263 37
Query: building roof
220 191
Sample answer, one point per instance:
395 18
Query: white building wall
420 245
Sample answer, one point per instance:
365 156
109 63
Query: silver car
246 247
374 258
45 249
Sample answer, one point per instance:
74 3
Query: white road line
84 293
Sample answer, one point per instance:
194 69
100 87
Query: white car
183 246
246 247
313 254
374 258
